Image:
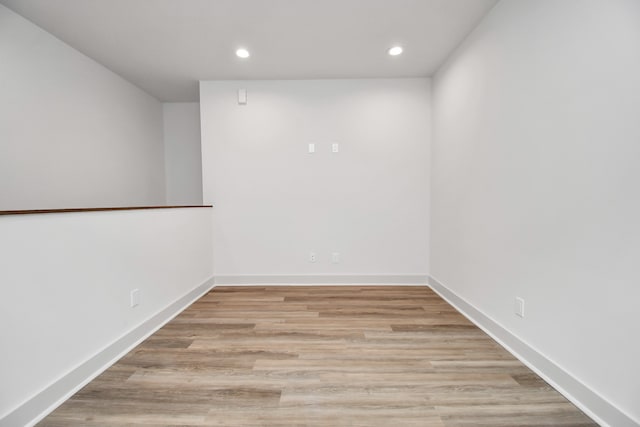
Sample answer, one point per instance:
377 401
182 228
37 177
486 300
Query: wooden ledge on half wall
119 208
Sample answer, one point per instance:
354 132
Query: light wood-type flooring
318 356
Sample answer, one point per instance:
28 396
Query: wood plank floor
318 356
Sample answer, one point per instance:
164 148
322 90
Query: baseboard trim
43 403
323 279
595 406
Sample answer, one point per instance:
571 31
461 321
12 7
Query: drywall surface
67 280
72 133
183 161
276 202
535 183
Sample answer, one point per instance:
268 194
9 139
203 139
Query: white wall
275 202
72 133
67 279
183 161
535 183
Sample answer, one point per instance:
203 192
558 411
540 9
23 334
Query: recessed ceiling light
395 50
242 53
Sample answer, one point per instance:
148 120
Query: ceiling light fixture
395 51
242 53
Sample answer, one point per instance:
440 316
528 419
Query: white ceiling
166 46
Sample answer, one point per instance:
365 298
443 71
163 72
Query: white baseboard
594 405
323 279
39 406
591 403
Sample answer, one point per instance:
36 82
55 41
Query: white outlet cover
312 257
312 148
519 308
335 147
335 257
242 96
135 297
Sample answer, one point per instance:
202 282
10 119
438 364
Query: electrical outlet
312 257
335 257
242 96
335 148
519 307
135 297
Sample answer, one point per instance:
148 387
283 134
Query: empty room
319 213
